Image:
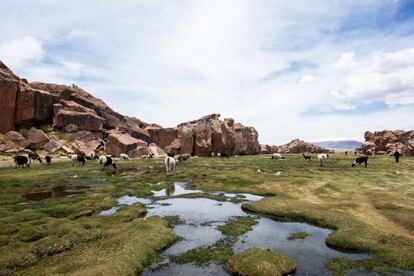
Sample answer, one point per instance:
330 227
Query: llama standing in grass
277 156
169 164
307 156
106 161
360 160
124 156
322 157
77 159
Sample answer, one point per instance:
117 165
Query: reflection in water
202 216
170 190
174 189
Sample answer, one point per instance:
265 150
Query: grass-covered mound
258 261
237 226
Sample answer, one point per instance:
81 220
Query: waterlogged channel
200 218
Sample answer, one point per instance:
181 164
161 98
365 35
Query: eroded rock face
16 138
8 94
388 141
163 137
33 107
122 143
36 137
300 146
209 134
83 120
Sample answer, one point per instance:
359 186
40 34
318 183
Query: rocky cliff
82 123
295 146
388 141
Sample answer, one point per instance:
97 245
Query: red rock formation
299 146
122 143
73 110
163 137
388 141
209 134
83 120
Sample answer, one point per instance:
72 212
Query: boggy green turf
370 210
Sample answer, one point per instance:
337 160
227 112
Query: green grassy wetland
49 222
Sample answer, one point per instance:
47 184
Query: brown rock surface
36 137
209 134
300 146
83 120
33 107
388 141
163 137
185 136
155 150
16 138
122 143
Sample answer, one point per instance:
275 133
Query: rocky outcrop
72 110
163 137
82 120
388 141
122 143
300 146
210 134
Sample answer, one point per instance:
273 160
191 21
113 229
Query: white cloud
382 76
21 51
265 63
307 78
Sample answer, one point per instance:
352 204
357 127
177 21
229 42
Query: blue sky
315 70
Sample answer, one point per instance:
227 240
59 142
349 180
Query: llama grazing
48 159
106 161
322 157
184 157
213 154
218 154
34 157
224 155
169 164
21 161
307 156
360 160
277 156
124 156
77 159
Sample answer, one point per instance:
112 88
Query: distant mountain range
339 145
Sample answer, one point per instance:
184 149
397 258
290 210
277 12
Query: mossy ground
237 226
370 209
260 262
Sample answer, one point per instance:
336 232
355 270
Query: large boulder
138 151
52 146
135 127
300 146
388 141
36 138
15 138
265 149
122 143
33 107
8 94
155 150
185 136
83 120
163 137
202 135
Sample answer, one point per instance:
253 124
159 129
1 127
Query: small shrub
1 139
